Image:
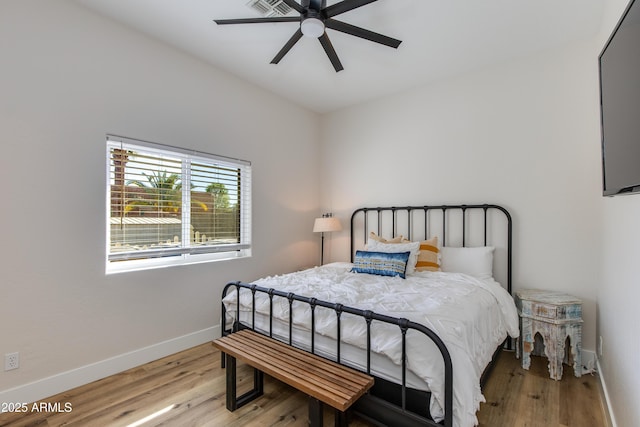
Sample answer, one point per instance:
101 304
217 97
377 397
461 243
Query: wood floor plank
501 406
584 392
535 400
193 385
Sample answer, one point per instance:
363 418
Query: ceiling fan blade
257 20
362 33
293 5
344 6
287 47
331 53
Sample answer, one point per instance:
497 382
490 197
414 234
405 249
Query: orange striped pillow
428 256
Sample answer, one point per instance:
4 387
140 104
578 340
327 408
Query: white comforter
470 315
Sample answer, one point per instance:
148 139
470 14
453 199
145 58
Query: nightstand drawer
551 311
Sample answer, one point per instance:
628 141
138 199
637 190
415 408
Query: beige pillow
397 239
428 256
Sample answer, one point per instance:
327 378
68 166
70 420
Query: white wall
618 297
523 134
619 289
69 77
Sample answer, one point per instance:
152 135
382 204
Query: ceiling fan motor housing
315 5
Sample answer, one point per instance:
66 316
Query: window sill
115 267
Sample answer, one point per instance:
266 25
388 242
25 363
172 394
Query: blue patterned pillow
381 263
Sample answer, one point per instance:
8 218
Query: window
171 206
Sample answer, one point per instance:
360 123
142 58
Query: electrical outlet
11 361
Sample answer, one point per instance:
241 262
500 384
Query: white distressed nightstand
555 316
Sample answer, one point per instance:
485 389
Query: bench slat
343 378
325 380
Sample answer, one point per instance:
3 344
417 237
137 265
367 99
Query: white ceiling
439 37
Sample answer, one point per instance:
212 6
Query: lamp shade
326 224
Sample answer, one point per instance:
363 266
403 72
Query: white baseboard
607 400
46 387
592 364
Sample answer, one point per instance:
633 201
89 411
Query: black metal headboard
455 225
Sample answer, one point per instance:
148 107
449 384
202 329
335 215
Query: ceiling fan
314 17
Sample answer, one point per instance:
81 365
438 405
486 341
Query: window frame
187 253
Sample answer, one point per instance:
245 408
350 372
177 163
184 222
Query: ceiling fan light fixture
312 27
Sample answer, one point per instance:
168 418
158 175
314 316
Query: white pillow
413 247
476 262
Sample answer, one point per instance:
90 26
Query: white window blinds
166 202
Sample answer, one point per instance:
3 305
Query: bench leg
231 383
234 402
315 412
258 382
341 419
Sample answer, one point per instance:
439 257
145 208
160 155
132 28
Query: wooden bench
322 380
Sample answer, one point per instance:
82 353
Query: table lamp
326 224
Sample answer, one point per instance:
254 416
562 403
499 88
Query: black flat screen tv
619 64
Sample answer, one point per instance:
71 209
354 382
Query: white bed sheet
470 315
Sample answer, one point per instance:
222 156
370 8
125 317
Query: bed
427 331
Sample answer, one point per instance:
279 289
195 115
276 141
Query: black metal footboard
390 409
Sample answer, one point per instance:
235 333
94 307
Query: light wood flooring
190 388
